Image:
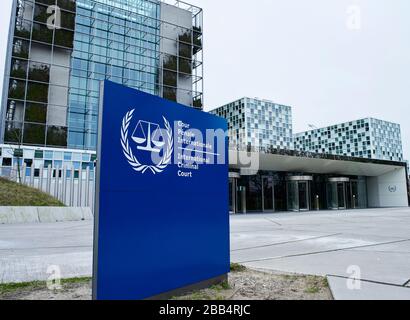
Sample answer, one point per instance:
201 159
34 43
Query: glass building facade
258 124
270 191
365 138
115 40
54 67
307 171
40 159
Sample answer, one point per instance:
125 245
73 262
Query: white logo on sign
147 136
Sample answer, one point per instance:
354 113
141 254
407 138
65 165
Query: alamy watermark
354 282
354 17
150 147
54 20
54 279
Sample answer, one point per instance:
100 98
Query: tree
17 137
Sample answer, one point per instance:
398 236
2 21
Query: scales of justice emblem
149 137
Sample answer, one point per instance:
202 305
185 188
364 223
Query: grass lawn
71 289
15 195
35 285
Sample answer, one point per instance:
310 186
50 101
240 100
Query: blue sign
162 215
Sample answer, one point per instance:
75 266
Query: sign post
162 214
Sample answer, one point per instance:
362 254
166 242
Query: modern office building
349 166
258 124
365 138
298 181
60 50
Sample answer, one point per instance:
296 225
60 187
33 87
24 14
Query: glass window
39 72
37 92
69 5
20 48
36 113
77 157
18 69
58 155
48 155
64 38
17 89
40 13
58 164
86 165
28 162
34 134
13 132
57 136
68 156
18 162
42 33
38 154
6 162
23 29
48 163
67 20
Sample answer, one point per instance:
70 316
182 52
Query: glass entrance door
332 195
303 196
337 195
268 194
232 196
293 196
298 193
355 194
341 195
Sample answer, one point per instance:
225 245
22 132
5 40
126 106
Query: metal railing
73 187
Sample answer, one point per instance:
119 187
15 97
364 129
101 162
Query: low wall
14 215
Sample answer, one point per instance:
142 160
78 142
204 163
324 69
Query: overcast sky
321 57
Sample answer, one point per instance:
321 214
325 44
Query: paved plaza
372 244
344 245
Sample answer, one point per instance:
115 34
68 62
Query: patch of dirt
260 285
242 285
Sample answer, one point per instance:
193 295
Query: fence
73 187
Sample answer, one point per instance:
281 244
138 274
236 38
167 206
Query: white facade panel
388 190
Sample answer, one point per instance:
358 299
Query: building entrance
237 195
268 194
338 193
232 195
298 193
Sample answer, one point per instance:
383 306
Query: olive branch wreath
132 160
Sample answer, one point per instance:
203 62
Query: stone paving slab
386 267
324 243
367 291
